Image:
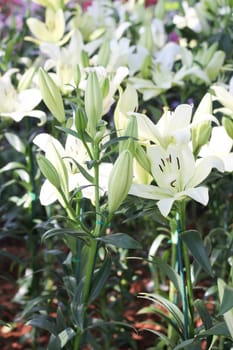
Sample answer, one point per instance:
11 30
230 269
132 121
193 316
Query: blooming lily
65 61
220 145
50 31
60 157
54 4
224 94
177 176
18 104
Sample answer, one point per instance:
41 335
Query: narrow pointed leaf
121 240
100 279
227 300
193 241
172 275
204 314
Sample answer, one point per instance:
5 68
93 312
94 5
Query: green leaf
44 322
15 142
193 241
54 343
228 316
100 278
82 170
172 275
164 315
65 336
189 344
62 232
218 329
169 306
113 141
204 314
12 166
121 240
227 300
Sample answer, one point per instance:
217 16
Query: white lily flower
224 94
177 176
65 60
74 150
172 127
50 31
54 4
19 104
220 145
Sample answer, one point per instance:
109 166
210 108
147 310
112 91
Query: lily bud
80 120
228 125
51 96
141 157
146 39
215 64
77 75
26 79
104 54
120 180
49 171
160 10
93 103
105 87
132 132
84 59
146 67
202 130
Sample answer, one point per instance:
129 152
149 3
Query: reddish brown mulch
16 335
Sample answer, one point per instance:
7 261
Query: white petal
149 191
165 205
203 169
199 194
48 193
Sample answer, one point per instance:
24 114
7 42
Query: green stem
184 299
172 290
189 289
93 247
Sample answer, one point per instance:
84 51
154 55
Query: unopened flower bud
93 103
120 180
132 132
228 125
142 158
105 87
104 54
77 75
202 130
49 171
146 67
84 59
26 79
51 96
215 64
146 38
160 10
80 120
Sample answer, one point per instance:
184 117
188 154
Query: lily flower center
169 169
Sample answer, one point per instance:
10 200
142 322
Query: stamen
170 158
178 163
160 168
162 160
173 183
